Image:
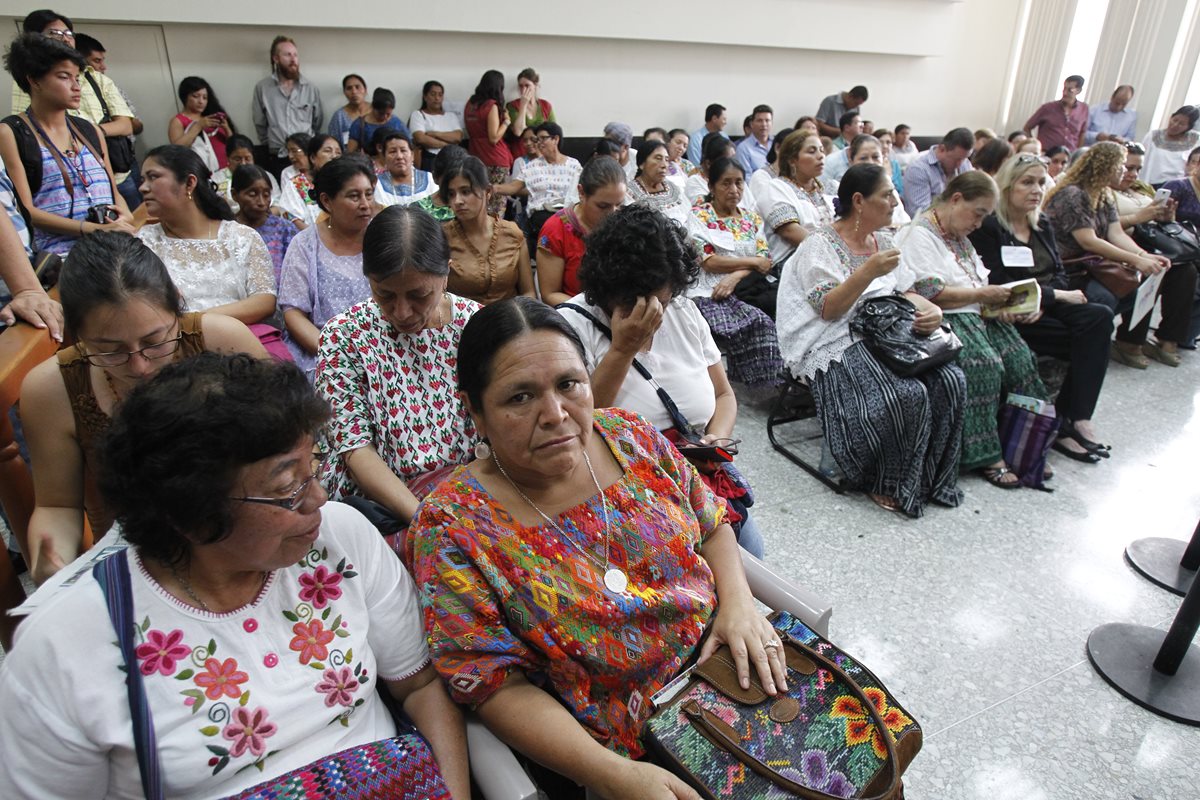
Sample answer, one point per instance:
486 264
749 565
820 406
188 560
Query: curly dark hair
634 253
169 460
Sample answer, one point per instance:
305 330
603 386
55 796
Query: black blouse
1047 269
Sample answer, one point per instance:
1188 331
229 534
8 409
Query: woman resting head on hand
559 497
267 619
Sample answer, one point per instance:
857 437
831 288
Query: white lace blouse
215 272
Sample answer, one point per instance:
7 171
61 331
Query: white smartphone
1162 196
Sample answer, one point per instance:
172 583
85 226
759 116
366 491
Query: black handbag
1174 240
886 325
120 149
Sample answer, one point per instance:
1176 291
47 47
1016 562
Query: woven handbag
836 733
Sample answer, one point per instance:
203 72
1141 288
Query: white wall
933 64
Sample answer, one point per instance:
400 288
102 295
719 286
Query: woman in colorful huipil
558 596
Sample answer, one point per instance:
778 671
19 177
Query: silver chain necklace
615 580
187 587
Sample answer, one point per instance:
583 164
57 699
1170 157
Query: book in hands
1025 298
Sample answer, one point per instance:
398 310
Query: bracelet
81 227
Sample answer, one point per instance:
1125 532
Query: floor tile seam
1004 700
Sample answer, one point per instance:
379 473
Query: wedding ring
771 646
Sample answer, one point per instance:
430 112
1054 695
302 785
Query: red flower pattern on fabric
310 640
221 678
249 731
161 652
337 686
320 586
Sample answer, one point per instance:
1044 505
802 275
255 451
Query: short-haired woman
1070 328
386 366
433 126
354 88
362 130
561 241
948 272
203 124
528 110
69 192
487 124
488 257
1083 211
1167 148
733 248
400 183
322 272
992 155
128 322
600 506
897 439
267 620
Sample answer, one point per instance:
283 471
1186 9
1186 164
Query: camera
102 214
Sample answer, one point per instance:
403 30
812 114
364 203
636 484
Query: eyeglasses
150 353
293 500
543 138
1029 158
60 34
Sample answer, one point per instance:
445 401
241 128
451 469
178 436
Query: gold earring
189 194
857 220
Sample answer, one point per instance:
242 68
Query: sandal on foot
1088 457
884 502
1128 358
1155 350
995 476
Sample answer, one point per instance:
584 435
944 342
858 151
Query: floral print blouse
396 392
740 236
236 697
499 596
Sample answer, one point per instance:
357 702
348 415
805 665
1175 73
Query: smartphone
1162 196
704 452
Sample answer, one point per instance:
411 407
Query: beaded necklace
961 250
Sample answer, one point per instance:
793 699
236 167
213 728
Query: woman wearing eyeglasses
128 322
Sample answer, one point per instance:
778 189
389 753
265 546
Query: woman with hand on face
733 249
251 188
650 186
400 183
322 272
218 264
897 439
948 272
355 90
1083 212
128 322
269 622
386 366
70 193
561 241
528 110
561 496
488 257
202 117
297 200
1017 243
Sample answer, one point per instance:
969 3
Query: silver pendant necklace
615 580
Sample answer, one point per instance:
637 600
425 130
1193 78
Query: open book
1026 298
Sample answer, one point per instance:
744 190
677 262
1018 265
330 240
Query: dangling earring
857 220
482 451
189 194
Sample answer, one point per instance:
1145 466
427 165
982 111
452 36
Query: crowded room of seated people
781 427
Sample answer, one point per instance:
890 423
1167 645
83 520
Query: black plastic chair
794 404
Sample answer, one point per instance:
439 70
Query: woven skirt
996 361
892 436
747 337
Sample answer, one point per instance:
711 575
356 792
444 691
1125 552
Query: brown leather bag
1118 278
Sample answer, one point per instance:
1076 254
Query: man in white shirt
622 135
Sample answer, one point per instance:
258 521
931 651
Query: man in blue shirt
1113 122
752 150
927 176
714 122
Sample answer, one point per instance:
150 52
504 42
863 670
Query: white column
1041 58
1110 53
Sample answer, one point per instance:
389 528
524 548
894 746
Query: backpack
30 151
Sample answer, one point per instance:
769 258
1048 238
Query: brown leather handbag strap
699 718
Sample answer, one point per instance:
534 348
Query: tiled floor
977 617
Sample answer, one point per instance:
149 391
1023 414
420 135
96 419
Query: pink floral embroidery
249 730
310 640
320 587
221 678
337 686
161 652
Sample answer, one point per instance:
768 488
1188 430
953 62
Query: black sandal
994 476
1088 457
1101 450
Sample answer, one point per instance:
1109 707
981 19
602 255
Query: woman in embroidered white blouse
266 619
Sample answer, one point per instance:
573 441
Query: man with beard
285 103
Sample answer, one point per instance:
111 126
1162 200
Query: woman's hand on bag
883 262
1150 265
927 320
641 780
747 632
728 284
993 295
1075 297
634 328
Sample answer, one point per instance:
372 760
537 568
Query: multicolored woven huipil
500 596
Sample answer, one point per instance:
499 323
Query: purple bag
1025 439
